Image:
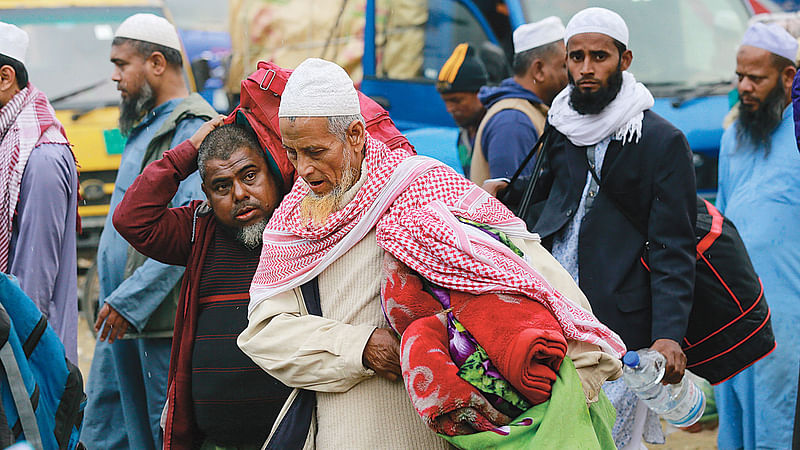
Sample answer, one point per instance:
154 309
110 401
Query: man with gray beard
217 395
127 383
759 190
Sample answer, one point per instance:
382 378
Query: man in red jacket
217 396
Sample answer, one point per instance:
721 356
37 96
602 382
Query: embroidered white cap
150 28
537 34
597 20
13 41
772 38
319 88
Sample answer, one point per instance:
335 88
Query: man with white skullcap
759 190
38 194
518 106
608 152
333 290
127 385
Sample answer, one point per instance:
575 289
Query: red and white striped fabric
23 122
413 202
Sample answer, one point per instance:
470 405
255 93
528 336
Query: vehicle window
69 50
208 15
691 43
413 38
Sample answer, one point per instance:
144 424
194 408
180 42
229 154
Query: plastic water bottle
680 404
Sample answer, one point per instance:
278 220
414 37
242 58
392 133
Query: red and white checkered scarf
24 121
413 202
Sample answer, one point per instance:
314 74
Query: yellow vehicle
67 59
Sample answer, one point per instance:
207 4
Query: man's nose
745 85
115 75
239 191
304 166
587 68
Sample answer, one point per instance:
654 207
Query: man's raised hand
202 132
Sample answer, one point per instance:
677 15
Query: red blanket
521 336
446 403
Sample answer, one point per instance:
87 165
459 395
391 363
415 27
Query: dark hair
780 62
523 60
19 68
145 49
223 141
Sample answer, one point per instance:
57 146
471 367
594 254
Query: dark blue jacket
509 135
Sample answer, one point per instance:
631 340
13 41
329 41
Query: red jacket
178 236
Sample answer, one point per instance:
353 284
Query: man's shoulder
654 123
51 154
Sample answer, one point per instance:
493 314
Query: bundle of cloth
470 362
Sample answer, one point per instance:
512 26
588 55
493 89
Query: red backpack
258 107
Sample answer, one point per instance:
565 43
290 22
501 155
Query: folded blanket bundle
470 363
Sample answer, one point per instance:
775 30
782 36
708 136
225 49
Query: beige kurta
375 413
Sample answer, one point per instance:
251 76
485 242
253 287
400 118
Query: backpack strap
296 417
536 113
16 384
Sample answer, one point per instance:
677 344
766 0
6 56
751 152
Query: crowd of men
252 292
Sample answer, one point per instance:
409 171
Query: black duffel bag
729 325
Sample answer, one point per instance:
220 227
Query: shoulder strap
16 384
310 292
296 418
479 166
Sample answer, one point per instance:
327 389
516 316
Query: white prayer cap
13 41
772 38
149 28
598 20
537 34
319 88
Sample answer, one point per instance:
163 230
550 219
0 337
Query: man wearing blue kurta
127 383
759 190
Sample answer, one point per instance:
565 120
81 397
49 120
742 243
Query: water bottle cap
631 359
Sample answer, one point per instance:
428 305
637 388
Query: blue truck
684 51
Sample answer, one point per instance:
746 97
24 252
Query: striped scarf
23 121
413 203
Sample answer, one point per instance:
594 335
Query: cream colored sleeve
305 351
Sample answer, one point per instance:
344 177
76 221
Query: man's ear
536 71
157 63
625 60
787 78
205 190
356 134
8 78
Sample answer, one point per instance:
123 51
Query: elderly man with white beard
356 201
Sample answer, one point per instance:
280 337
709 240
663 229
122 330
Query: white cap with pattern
319 88
13 41
598 20
537 34
149 28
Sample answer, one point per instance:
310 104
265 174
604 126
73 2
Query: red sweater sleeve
144 217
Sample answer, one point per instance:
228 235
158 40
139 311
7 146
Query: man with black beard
127 384
217 395
609 151
759 190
